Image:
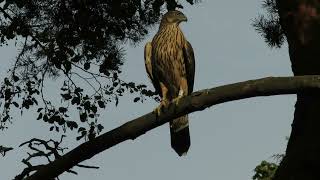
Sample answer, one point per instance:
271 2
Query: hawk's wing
190 65
148 65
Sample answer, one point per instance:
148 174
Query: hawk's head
173 17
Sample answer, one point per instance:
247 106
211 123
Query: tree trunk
300 21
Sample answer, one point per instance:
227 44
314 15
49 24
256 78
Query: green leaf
75 100
83 117
101 104
60 120
78 90
63 109
97 97
5 118
136 99
39 116
81 129
86 105
7 94
45 118
100 127
94 108
66 96
86 66
15 78
72 124
79 137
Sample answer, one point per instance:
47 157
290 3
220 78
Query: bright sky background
227 140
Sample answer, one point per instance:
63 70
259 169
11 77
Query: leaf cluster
269 25
79 43
265 171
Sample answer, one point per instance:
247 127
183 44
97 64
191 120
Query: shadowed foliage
72 39
269 26
79 42
265 171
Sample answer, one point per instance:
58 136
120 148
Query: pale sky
227 140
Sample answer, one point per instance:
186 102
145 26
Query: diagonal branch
197 101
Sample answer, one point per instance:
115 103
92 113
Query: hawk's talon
177 100
180 93
158 110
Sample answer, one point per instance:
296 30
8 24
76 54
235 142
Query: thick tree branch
197 101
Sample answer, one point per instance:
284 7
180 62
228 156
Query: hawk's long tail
180 137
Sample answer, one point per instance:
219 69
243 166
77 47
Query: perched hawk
170 65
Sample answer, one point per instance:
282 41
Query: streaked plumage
170 65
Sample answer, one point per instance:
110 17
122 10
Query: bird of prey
170 65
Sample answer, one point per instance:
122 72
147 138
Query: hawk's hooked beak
184 18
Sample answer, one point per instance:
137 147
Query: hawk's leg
164 100
183 90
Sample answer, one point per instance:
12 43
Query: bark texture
300 22
197 101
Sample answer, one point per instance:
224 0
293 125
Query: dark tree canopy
76 41
72 38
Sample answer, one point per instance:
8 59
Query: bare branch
4 150
27 171
50 150
197 101
86 166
